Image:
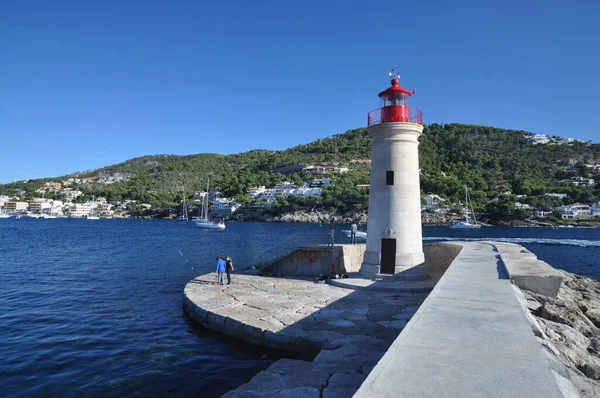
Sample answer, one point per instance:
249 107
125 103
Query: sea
92 308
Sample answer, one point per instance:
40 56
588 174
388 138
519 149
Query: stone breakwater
344 331
568 326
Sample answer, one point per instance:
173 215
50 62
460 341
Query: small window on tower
389 178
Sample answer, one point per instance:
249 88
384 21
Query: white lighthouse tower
394 239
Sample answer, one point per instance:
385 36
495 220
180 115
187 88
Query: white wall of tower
394 210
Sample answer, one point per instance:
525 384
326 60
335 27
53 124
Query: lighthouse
394 239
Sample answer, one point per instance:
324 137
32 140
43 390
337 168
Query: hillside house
575 211
541 213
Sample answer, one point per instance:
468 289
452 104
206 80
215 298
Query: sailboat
203 221
4 215
465 224
184 213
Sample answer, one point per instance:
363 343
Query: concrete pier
342 331
471 337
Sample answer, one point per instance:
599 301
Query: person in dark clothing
229 269
331 275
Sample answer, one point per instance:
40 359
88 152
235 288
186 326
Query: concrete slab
527 272
347 330
357 281
470 338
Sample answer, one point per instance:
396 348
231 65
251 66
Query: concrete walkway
346 331
470 338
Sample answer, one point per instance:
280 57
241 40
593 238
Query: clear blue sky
86 84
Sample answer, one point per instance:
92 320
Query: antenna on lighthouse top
394 73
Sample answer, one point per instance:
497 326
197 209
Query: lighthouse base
374 264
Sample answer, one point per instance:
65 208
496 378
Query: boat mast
473 212
206 207
466 203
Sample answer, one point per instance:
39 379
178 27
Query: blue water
94 308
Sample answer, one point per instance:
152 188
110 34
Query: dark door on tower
388 256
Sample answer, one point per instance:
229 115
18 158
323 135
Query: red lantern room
395 105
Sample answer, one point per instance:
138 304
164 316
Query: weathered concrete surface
355 281
349 329
470 338
349 257
438 257
346 258
297 265
527 272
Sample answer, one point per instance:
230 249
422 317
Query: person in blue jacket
220 269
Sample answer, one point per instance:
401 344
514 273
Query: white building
584 181
556 195
256 191
223 207
71 194
77 210
575 211
523 206
321 182
306 191
39 206
540 213
434 202
538 139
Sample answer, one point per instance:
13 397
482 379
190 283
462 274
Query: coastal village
65 198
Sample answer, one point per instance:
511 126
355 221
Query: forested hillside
491 161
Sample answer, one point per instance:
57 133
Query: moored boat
464 223
203 221
359 234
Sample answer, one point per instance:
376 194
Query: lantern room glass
395 99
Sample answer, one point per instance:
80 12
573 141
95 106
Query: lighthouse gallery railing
410 115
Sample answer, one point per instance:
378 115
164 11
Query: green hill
490 160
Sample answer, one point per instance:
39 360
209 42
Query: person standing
229 269
220 269
353 229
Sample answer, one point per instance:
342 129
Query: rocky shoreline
568 326
324 217
428 218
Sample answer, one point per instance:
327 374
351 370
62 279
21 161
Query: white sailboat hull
464 225
359 234
209 224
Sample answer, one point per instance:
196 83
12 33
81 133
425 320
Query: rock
339 392
592 371
346 380
299 392
341 323
594 316
568 315
264 384
533 305
570 329
594 346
